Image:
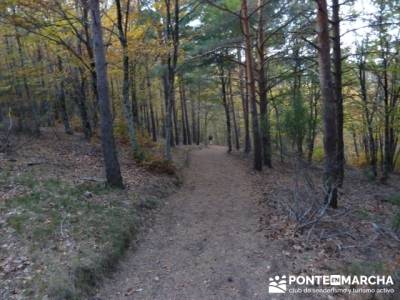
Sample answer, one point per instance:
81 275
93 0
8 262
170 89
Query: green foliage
396 221
362 268
394 199
296 120
318 154
40 212
369 174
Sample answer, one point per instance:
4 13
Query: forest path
205 242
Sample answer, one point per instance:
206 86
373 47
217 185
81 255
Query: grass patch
395 200
363 268
55 215
318 154
363 214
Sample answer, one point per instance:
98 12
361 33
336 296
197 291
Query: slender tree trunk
337 60
175 121
150 101
262 87
193 117
252 87
369 141
33 105
183 122
134 100
329 104
354 135
297 101
171 35
186 114
279 130
387 162
226 106
81 102
61 98
112 167
89 49
198 120
245 103
232 106
313 108
127 104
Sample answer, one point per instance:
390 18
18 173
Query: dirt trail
205 242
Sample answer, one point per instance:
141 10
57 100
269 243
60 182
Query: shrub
159 165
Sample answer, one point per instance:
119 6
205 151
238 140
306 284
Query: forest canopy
268 77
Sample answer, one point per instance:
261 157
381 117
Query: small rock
88 194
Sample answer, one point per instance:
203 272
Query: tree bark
112 167
337 61
329 104
262 88
257 148
232 106
33 105
245 104
171 35
127 104
61 98
150 101
369 141
81 102
226 105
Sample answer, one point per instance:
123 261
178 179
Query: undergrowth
395 200
77 231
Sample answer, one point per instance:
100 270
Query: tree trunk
127 104
252 87
29 99
61 98
226 106
262 88
175 120
369 141
312 127
337 61
185 122
198 132
134 95
171 35
150 101
112 167
329 104
232 106
81 102
245 103
387 162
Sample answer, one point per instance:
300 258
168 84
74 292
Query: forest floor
222 235
61 228
229 229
